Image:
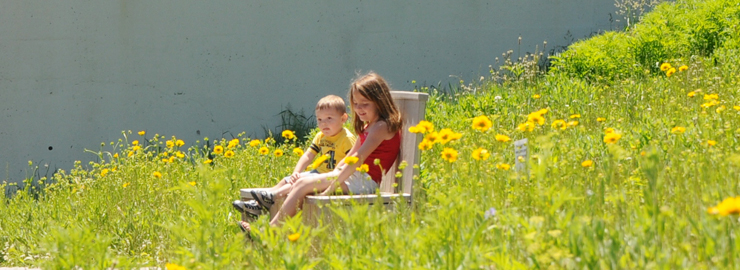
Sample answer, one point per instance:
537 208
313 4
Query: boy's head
331 113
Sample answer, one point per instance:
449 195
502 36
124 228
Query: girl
378 122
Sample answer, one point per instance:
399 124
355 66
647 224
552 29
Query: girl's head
370 100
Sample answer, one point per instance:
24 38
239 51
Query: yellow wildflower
503 166
172 266
180 154
449 154
727 207
665 67
600 119
233 143
126 184
709 143
678 130
559 124
218 149
502 138
711 96
278 153
481 154
103 172
115 155
683 68
363 168
135 142
446 135
298 151
572 123
229 154
142 133
536 96
170 144
136 148
587 163
425 145
526 126
720 109
130 153
172 159
432 137
157 174
482 123
288 134
294 237
264 150
737 108
320 160
670 72
414 129
208 161
608 130
536 117
180 143
351 160
425 126
572 116
192 183
691 94
612 138
254 143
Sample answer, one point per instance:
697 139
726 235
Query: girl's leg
305 186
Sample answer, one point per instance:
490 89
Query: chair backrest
413 108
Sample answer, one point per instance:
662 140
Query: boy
333 141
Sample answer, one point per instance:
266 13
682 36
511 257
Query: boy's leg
308 185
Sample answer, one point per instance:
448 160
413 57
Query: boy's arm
303 162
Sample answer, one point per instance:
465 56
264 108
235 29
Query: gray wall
76 73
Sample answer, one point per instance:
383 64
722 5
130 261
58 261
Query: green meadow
633 163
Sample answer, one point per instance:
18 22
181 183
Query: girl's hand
293 178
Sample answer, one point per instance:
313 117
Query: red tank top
387 152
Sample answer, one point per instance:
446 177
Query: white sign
520 155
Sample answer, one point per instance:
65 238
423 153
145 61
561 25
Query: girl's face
365 109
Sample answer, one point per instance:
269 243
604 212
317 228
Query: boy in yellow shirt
332 141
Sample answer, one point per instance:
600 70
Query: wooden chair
412 106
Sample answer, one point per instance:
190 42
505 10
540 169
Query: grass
641 203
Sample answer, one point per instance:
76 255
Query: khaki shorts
361 183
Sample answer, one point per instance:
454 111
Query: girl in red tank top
378 122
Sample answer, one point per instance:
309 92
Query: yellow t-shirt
335 147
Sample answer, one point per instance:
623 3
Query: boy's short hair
332 102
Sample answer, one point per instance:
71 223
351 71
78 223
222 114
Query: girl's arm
376 134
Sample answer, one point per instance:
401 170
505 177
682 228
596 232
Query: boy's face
330 121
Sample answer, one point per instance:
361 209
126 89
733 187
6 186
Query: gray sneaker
251 208
264 198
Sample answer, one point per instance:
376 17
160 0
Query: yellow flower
425 145
709 143
142 133
711 96
612 138
136 148
425 126
572 123
481 154
559 124
170 144
351 160
288 134
172 159
233 143
482 123
720 109
192 183
670 72
268 140
526 126
254 143
218 149
363 168
709 104
165 160
446 135
678 130
608 130
126 184
157 174
737 108
587 163
278 153
229 154
180 143
600 119
665 67
572 116
449 154
172 266
103 172
294 237
130 153
208 161
503 166
180 154
683 68
264 150
691 94
320 160
727 207
536 118
135 142
414 129
536 96
115 155
298 151
432 137
502 138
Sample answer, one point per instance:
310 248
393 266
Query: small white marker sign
520 154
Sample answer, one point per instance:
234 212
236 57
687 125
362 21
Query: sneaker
251 208
264 198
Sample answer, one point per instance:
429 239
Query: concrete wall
76 73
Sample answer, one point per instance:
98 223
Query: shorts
301 174
361 183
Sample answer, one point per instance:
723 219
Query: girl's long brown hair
374 88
